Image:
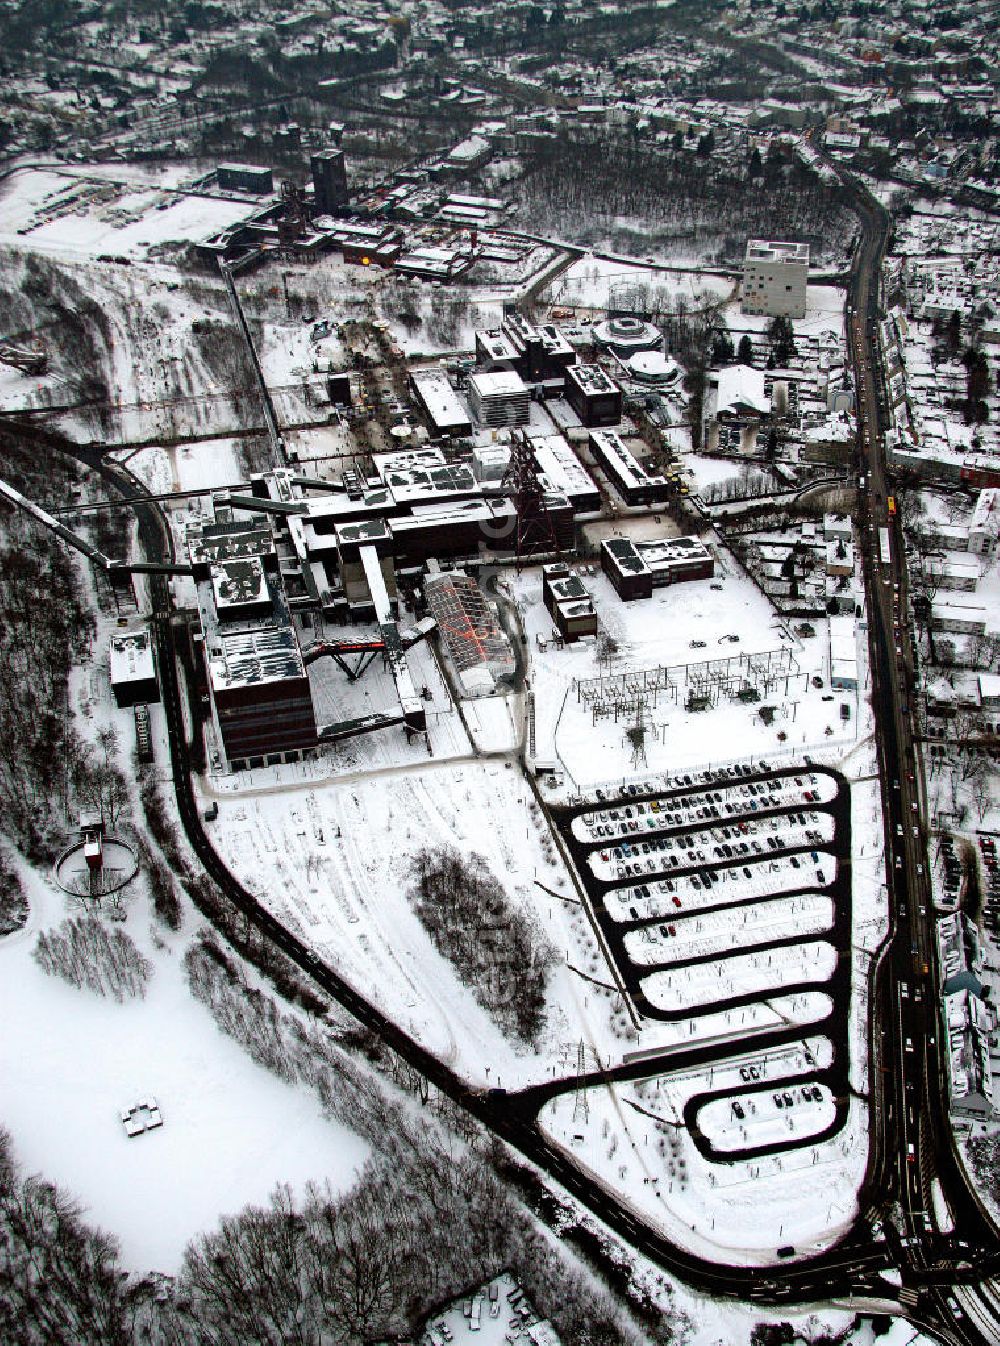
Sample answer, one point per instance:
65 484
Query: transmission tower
581 1107
534 523
636 733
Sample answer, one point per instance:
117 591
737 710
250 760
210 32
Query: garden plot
748 974
652 901
809 1111
735 928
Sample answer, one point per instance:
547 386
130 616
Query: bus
891 503
884 546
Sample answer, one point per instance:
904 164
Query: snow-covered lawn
71 1062
743 974
333 860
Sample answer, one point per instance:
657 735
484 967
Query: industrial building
472 635
635 569
775 277
568 603
133 668
500 398
843 654
562 471
439 402
537 353
593 395
245 178
258 687
629 478
329 174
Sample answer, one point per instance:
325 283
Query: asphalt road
912 1139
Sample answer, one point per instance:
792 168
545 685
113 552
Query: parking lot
730 891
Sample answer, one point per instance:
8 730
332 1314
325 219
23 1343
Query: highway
912 1144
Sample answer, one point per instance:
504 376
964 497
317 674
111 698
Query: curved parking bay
721 800
768 922
735 888
766 1121
719 887
740 977
715 847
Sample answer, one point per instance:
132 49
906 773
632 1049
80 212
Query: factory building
258 688
593 395
245 178
631 480
500 398
541 352
568 603
774 279
438 401
843 654
133 668
635 569
473 637
329 174
562 471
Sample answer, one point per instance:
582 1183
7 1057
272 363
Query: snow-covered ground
71 1062
333 859
58 212
591 282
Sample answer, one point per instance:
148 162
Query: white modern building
499 398
774 279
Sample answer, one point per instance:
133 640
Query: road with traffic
947 1246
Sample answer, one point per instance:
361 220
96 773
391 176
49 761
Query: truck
885 546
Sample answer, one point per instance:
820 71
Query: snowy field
714 1210
592 282
71 1062
66 215
333 860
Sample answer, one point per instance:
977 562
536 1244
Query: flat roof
763 250
498 383
655 554
560 465
262 654
628 468
131 656
239 582
438 397
592 379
